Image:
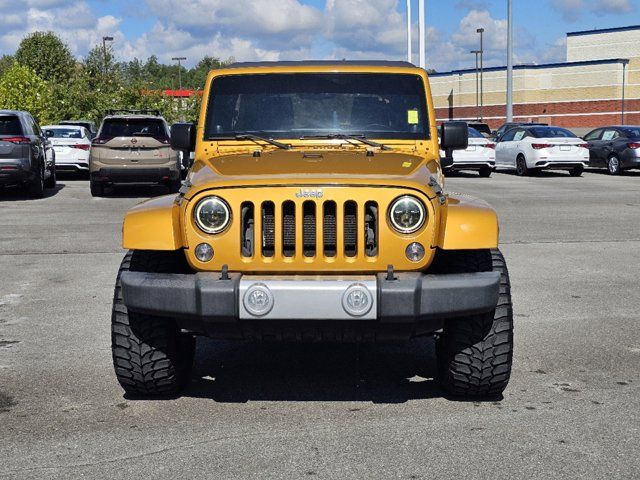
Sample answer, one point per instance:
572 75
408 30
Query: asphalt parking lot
323 411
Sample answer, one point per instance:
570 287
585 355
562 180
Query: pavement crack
135 456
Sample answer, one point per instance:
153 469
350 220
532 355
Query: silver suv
133 146
26 155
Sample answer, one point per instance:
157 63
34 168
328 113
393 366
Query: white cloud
572 10
612 6
287 30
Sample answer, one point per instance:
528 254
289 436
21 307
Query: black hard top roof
322 63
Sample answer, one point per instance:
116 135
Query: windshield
551 132
303 105
65 132
473 133
134 127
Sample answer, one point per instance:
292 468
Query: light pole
104 51
423 27
624 84
409 31
179 59
481 32
477 52
509 61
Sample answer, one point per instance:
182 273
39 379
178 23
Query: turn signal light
540 146
584 145
82 146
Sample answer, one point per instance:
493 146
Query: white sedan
480 155
72 146
530 149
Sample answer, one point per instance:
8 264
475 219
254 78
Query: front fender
153 225
468 224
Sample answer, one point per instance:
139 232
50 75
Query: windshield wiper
343 136
257 139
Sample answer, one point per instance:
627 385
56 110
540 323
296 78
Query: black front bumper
135 175
205 303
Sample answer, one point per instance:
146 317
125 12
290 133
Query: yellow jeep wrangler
314 211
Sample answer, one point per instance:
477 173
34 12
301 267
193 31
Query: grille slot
350 228
309 228
329 231
288 229
371 229
268 229
247 236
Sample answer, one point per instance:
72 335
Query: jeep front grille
312 229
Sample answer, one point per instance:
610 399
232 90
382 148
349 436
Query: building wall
614 43
579 94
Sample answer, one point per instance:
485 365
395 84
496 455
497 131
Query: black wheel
576 171
151 356
97 188
52 181
613 165
475 352
485 172
36 186
521 167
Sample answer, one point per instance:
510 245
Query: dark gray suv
26 155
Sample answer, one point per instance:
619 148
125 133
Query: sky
250 30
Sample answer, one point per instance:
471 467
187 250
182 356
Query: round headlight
212 215
407 214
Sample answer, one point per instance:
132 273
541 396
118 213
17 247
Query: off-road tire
151 356
475 353
576 171
485 172
36 186
521 167
97 188
52 181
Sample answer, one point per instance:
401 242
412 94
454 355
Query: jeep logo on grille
310 193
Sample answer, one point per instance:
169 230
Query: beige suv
133 146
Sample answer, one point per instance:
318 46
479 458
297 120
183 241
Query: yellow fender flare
153 225
468 224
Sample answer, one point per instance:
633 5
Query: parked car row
131 146
528 148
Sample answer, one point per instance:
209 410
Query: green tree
197 76
47 55
22 89
6 62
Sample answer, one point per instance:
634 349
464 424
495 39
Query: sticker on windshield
412 117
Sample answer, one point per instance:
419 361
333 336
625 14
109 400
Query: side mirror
454 136
49 133
183 136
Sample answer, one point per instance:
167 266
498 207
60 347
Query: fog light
357 300
204 252
415 252
258 300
